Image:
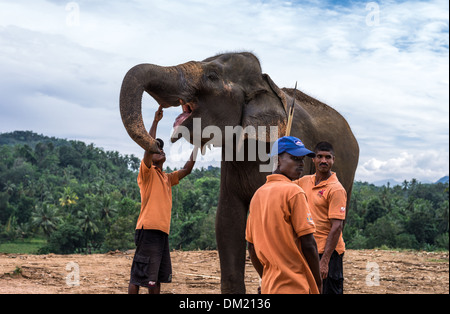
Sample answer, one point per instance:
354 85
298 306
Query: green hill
81 198
29 138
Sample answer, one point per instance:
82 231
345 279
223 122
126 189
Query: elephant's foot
232 285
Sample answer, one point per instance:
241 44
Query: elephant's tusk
291 113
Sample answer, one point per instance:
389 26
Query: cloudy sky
384 65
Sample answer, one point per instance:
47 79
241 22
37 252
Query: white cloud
405 166
390 80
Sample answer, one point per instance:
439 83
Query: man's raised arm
189 165
152 132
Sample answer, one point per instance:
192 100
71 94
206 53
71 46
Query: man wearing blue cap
280 226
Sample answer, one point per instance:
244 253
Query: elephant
229 89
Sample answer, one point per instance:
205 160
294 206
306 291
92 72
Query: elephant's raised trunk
133 87
166 84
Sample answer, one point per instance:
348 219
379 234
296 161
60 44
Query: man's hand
323 265
330 245
158 117
159 114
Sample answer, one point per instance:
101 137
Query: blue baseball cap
291 145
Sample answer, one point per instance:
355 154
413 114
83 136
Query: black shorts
151 262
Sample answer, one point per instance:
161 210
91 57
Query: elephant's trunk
166 84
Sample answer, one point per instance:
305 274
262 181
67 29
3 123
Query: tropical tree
45 217
87 220
68 198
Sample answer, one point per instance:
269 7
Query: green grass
27 246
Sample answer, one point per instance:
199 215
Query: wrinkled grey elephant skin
231 90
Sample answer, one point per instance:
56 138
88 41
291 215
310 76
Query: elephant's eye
213 76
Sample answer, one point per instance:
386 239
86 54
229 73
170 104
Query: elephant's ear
265 107
277 91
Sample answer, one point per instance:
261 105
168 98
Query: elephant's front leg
231 220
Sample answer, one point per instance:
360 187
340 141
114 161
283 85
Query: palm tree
87 220
107 208
68 197
10 188
45 217
11 228
405 185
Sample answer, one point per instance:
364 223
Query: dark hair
161 143
325 147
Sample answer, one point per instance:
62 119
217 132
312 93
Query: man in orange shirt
280 227
151 263
327 200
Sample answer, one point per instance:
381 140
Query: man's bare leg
133 289
155 289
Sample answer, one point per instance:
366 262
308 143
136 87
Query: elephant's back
314 107
322 115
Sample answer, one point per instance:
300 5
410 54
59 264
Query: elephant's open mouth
187 112
188 109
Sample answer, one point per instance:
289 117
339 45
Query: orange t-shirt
156 198
327 200
279 215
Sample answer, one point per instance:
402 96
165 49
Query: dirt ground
197 272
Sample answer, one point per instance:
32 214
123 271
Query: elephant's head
225 90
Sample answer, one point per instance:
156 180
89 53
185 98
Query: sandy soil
197 272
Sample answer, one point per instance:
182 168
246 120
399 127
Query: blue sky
384 65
